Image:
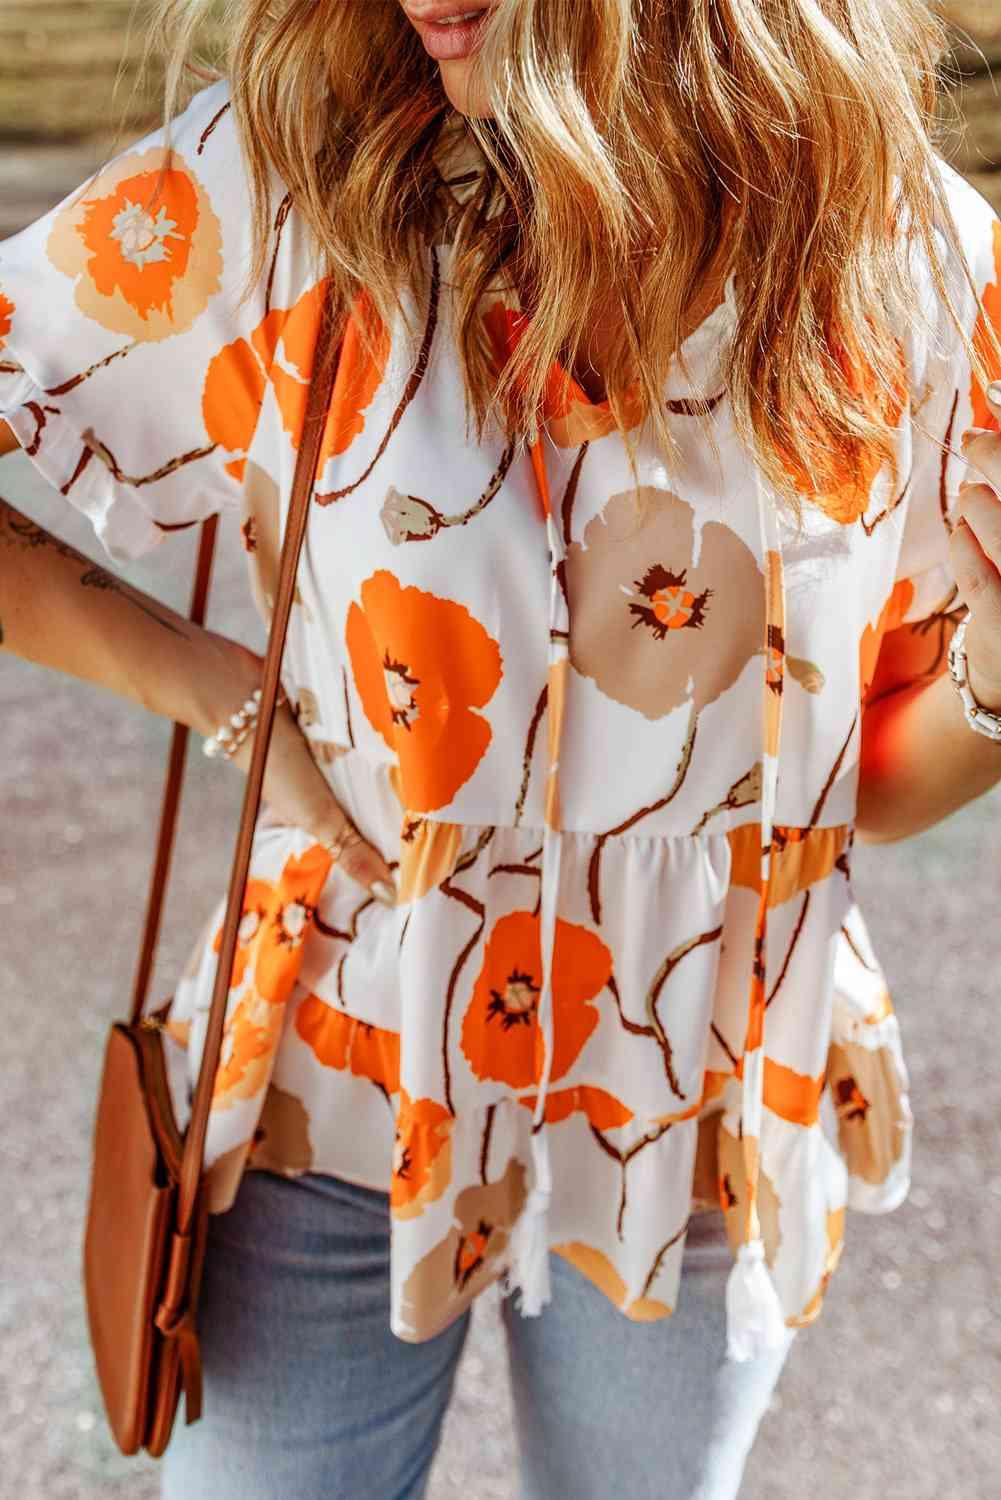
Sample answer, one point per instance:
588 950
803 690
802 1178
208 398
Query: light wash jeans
310 1396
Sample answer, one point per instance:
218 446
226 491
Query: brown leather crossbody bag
145 1235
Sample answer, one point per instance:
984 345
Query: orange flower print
842 482
341 1041
234 388
280 350
6 317
293 907
500 1033
571 417
469 1257
360 371
422 665
982 414
602 1109
143 246
249 1040
646 621
422 1155
256 907
890 618
801 857
598 1268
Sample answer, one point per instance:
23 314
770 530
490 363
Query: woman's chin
455 81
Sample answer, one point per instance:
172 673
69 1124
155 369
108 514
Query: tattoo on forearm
18 531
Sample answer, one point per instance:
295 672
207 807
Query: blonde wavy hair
649 147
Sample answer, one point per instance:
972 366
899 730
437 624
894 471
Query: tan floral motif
282 1142
407 518
471 1254
733 1196
428 854
260 533
143 246
651 628
809 676
866 1088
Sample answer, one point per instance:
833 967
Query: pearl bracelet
979 718
230 736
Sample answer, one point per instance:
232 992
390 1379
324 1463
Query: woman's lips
449 43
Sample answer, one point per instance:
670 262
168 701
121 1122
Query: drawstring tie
528 1271
755 1322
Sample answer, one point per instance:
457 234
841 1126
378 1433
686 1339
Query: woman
577 697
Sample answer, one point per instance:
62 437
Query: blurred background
892 1395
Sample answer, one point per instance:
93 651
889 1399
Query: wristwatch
979 718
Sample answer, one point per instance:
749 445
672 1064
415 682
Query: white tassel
754 1318
529 1268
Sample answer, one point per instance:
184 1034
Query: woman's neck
604 321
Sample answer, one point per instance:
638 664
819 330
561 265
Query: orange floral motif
646 621
6 315
422 665
500 1032
598 1268
291 913
231 400
570 415
341 1041
359 374
422 1155
143 246
257 899
842 482
800 857
249 1040
890 617
280 350
982 414
602 1109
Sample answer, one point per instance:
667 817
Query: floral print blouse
608 743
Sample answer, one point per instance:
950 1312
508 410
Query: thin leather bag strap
317 409
171 791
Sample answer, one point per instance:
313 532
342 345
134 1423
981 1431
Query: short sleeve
113 308
948 401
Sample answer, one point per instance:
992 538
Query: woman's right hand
299 794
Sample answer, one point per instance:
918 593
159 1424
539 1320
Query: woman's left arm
920 760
